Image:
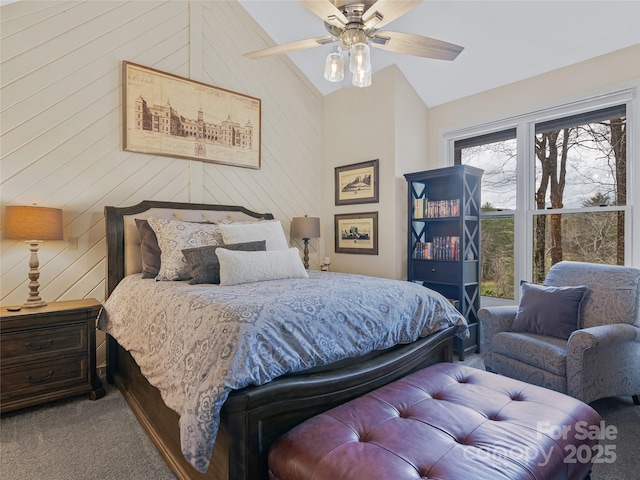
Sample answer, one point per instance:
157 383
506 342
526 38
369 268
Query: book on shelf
442 208
418 207
425 208
439 248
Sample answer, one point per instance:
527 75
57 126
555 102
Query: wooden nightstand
48 353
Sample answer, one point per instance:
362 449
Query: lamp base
306 253
34 300
34 303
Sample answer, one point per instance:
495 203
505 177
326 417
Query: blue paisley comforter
196 343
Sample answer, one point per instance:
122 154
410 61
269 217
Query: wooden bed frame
254 417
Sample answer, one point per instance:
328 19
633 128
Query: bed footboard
255 417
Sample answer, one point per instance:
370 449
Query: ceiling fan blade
327 11
291 47
386 11
418 45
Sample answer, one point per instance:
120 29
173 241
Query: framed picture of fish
357 183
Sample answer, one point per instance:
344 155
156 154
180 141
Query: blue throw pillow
553 311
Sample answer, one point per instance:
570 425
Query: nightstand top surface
51 307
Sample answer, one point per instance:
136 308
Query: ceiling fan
353 27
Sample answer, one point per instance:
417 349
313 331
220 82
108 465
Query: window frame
523 215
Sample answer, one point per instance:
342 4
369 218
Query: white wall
386 121
61 123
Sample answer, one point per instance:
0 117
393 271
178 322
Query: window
496 154
580 164
552 190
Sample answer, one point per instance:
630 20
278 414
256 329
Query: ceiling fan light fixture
361 79
334 66
357 26
360 61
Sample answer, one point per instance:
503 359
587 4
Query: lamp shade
32 223
305 227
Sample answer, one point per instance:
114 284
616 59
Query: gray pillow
203 262
553 311
149 249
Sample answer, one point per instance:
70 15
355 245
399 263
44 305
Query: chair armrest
601 336
603 361
494 320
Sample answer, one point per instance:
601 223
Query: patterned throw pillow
204 266
175 236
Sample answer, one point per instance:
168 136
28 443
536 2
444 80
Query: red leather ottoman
444 422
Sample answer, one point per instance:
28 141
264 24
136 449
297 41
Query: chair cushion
547 310
544 352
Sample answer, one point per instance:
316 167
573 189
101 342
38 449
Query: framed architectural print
357 183
165 114
357 233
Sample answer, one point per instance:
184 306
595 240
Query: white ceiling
505 41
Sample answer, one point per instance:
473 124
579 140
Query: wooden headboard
123 242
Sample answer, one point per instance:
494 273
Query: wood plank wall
61 121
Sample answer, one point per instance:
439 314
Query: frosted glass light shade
361 79
360 58
334 67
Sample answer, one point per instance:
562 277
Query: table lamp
305 228
34 225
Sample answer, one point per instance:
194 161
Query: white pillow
175 236
238 267
269 230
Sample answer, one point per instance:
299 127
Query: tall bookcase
444 239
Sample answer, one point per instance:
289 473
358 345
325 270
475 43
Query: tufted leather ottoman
444 422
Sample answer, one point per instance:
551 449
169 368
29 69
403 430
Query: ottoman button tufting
448 437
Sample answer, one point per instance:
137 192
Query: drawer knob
433 270
39 347
38 380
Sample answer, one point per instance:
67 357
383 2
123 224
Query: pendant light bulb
360 61
334 66
361 79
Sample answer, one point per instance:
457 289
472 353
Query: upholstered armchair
601 356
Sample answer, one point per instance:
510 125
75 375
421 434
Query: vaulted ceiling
505 41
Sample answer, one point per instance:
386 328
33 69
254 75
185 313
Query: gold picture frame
356 233
165 114
357 183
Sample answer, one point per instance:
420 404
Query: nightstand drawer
37 378
30 345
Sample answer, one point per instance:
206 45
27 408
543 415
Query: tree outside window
578 194
581 163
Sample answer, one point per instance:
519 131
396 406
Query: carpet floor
102 440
